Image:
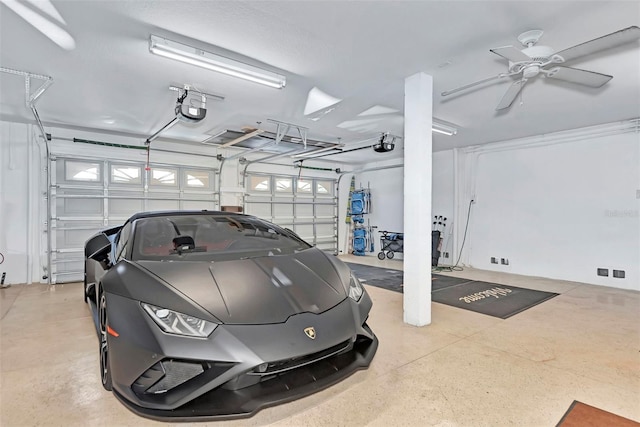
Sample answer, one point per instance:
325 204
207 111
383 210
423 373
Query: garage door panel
74 238
304 211
304 231
283 211
197 205
295 203
261 210
111 191
63 224
79 207
126 207
325 211
329 247
197 196
62 191
162 205
69 267
325 230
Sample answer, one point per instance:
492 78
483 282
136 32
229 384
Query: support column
418 153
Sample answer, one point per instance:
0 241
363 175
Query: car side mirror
98 247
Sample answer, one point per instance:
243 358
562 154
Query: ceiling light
194 56
318 100
443 129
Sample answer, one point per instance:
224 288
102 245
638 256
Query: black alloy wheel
105 372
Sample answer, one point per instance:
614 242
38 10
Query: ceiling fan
535 59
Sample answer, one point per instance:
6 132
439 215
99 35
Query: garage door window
283 185
81 171
259 183
324 188
198 179
164 177
305 186
126 174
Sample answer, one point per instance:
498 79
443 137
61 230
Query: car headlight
355 289
176 323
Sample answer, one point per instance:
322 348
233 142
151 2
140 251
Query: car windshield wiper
189 250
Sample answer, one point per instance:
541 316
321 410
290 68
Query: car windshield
210 238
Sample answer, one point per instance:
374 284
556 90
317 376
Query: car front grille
296 362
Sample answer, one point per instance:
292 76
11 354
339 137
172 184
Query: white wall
18 179
559 210
558 205
387 197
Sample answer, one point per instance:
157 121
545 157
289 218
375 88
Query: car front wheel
105 372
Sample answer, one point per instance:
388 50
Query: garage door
90 194
307 206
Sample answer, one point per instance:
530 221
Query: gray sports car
212 315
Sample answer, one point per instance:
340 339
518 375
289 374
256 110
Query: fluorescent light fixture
443 129
200 58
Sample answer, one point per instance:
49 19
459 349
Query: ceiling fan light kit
527 63
200 58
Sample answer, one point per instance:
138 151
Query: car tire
105 368
85 283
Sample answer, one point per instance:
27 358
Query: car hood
260 290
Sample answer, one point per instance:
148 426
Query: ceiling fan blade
511 94
458 89
510 53
581 77
601 43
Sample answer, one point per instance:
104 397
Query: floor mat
439 281
391 279
582 415
491 298
385 278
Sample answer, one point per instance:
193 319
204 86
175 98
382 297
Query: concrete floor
465 369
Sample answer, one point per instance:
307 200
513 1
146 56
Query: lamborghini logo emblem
310 332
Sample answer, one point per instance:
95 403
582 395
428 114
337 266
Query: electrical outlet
603 272
618 274
446 255
504 261
494 260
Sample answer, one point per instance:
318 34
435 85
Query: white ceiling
360 52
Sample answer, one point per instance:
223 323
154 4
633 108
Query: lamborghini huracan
208 315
